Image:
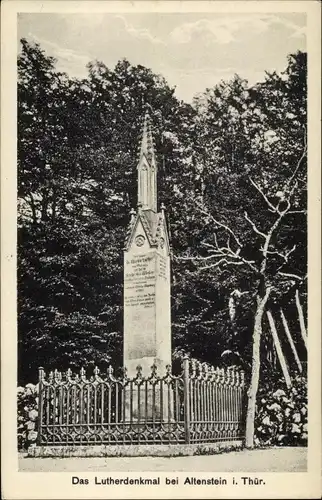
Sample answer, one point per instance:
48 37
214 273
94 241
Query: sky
192 51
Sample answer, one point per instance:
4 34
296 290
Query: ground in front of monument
269 460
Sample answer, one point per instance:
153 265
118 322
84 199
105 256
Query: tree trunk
291 342
301 317
279 350
253 388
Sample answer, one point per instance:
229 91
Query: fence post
40 402
186 399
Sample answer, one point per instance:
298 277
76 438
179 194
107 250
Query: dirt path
269 460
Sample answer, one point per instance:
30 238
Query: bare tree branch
216 264
210 245
288 253
283 256
291 212
227 255
291 275
195 257
298 163
203 299
276 208
220 224
254 226
223 254
271 206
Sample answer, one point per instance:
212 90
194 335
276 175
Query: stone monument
147 322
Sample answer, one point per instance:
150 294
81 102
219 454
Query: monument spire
147 298
147 168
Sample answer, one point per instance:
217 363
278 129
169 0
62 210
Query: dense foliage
281 418
27 416
77 144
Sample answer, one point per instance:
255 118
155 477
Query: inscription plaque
139 304
162 268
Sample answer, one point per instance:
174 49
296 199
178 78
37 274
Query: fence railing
202 404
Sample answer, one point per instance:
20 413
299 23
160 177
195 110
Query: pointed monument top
151 222
147 167
147 143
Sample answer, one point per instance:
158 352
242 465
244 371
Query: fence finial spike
96 373
183 361
68 374
41 374
139 370
82 373
205 370
56 375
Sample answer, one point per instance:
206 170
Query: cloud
204 71
184 33
296 30
224 30
220 30
68 60
299 32
139 33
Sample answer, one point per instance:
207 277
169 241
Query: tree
77 143
231 172
259 244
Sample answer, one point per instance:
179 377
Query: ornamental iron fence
201 405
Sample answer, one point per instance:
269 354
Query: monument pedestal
148 404
147 333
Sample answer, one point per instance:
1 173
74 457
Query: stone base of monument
133 450
148 404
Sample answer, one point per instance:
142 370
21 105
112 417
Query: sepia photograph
162 208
